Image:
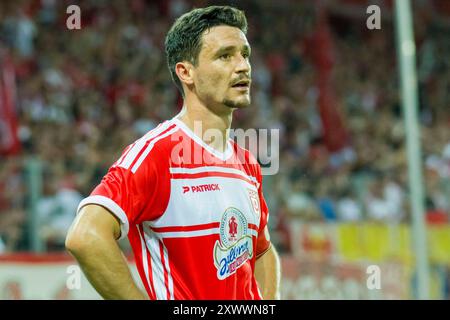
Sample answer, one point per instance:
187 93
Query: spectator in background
12 214
394 196
382 208
326 202
348 208
434 215
11 230
300 204
56 210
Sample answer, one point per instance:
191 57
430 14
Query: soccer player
191 206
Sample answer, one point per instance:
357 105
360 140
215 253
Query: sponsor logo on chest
201 188
235 246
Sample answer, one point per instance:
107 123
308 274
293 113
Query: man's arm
268 273
92 241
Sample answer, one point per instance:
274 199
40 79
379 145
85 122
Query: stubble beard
236 104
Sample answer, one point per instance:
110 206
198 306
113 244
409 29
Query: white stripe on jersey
157 267
140 144
125 152
144 259
113 207
187 234
169 274
195 233
212 169
150 147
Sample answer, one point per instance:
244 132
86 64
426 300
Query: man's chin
237 103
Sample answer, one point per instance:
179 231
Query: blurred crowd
84 95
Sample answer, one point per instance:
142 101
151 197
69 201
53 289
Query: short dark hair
184 39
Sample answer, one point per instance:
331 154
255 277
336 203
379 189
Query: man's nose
243 65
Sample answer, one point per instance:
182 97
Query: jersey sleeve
132 196
263 241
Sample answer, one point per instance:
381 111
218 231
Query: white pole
406 54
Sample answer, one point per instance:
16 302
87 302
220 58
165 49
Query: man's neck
211 127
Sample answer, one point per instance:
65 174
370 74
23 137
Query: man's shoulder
248 156
152 147
160 133
247 159
164 136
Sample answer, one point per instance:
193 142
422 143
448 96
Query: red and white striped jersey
195 217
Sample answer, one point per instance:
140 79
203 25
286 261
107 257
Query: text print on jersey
235 246
202 188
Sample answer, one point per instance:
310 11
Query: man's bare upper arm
94 220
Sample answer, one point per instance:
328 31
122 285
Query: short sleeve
263 240
132 196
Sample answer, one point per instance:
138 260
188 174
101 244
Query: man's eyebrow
222 50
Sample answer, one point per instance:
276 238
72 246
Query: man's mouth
242 84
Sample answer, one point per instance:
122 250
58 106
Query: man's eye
225 56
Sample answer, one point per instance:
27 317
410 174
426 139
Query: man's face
222 75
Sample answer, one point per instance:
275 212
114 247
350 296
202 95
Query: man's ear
185 72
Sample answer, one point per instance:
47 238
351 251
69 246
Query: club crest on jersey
235 246
254 199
